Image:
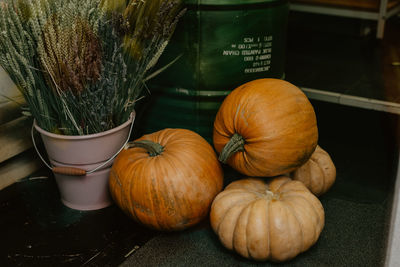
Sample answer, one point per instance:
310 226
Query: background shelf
376 10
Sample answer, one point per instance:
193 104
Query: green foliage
82 64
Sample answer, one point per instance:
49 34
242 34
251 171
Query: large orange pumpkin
166 180
274 220
266 127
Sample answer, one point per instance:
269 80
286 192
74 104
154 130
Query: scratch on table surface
89 260
38 178
130 252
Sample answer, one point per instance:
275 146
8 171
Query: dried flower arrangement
81 65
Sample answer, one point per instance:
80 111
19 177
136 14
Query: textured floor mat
354 235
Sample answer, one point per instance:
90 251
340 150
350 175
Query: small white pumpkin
318 174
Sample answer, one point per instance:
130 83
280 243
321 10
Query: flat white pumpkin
267 219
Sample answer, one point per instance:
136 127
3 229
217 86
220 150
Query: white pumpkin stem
235 144
271 195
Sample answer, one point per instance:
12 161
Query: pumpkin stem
235 144
154 149
271 195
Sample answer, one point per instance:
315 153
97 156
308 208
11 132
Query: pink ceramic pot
87 152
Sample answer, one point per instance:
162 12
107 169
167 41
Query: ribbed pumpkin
265 127
318 174
166 180
262 220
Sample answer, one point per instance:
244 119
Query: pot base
96 206
89 192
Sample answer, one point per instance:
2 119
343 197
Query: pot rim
87 136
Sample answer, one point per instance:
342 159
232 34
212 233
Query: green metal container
223 44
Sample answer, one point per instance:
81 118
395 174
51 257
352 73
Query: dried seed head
145 20
71 54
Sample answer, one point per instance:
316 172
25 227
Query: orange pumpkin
166 180
318 174
262 220
266 127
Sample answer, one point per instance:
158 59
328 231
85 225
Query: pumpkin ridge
251 207
322 164
250 195
150 186
323 186
236 115
293 211
273 228
244 118
155 201
244 211
187 202
233 191
303 207
221 130
253 192
288 192
308 171
251 163
217 184
112 180
269 230
210 168
282 184
167 191
229 194
129 195
290 228
124 194
319 225
250 182
315 212
231 210
116 177
249 229
206 168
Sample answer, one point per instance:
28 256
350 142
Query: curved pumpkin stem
235 144
154 149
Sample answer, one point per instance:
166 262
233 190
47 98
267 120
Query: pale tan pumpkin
318 174
262 220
